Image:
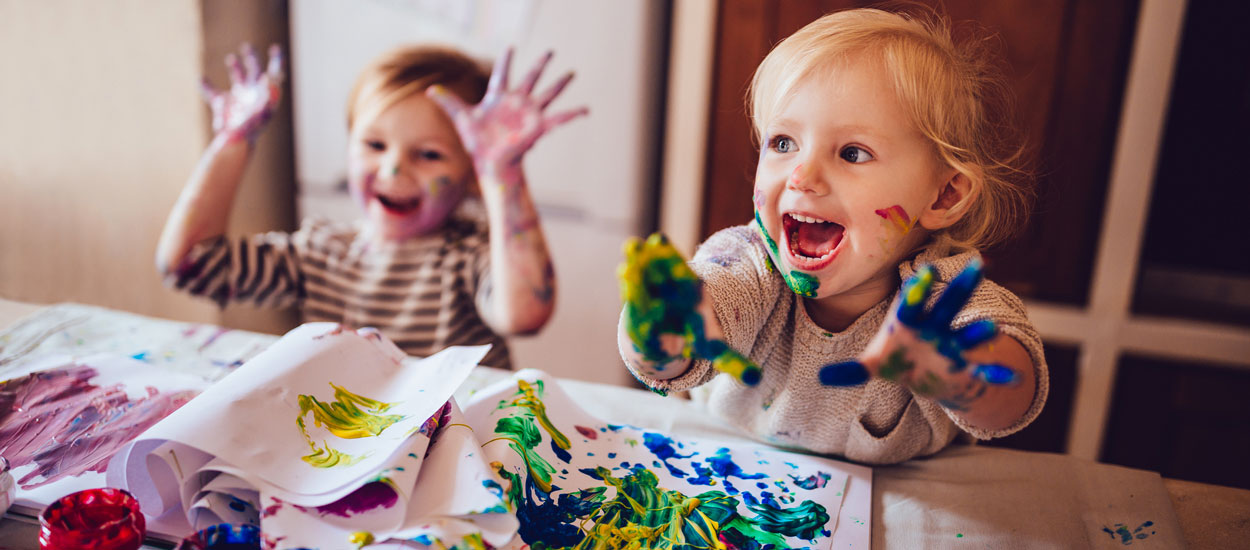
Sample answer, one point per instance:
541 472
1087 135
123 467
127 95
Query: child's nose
807 178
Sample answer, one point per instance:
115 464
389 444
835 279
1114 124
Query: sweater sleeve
993 302
262 269
738 277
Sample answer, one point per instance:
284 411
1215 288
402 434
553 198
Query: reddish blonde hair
407 70
949 90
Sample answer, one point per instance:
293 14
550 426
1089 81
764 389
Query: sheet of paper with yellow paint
313 418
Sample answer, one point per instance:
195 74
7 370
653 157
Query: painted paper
576 481
322 415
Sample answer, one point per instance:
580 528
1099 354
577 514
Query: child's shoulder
730 245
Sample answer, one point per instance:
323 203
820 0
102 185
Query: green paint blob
959 535
801 283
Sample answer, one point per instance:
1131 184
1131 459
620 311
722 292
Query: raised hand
921 351
242 111
661 295
498 131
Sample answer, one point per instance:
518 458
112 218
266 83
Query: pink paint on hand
66 426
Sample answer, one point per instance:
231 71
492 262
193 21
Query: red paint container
95 519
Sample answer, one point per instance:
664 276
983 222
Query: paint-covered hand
499 130
242 111
661 295
921 350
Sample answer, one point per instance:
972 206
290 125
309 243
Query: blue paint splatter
1126 537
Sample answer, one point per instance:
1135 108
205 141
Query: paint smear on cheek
758 199
897 224
66 426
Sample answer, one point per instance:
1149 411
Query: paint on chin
66 426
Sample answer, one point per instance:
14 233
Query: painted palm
661 294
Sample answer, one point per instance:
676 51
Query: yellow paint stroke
528 398
897 223
349 416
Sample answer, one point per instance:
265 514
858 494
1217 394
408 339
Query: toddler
420 266
877 165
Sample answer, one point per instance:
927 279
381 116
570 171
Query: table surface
964 497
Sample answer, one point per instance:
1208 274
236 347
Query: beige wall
100 124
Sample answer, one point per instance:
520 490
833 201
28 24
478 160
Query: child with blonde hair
878 164
420 266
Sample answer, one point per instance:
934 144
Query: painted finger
956 295
235 69
274 70
562 117
451 103
995 374
847 373
975 334
207 90
733 363
531 79
912 297
554 91
251 65
498 78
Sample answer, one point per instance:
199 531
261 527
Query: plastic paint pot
94 519
223 536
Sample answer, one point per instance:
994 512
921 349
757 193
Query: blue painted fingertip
752 376
976 334
849 373
994 374
956 294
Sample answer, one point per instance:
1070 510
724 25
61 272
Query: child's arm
519 295
239 115
667 320
984 377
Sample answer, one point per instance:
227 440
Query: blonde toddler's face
407 168
842 178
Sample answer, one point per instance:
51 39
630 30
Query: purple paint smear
67 426
375 494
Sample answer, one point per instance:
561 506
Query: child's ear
950 203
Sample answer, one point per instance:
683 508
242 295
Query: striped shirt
420 293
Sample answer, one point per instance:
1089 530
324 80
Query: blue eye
855 155
782 144
375 145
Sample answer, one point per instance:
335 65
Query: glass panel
1195 262
1182 419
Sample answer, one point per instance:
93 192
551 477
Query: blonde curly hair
949 89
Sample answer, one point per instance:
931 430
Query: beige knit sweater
879 422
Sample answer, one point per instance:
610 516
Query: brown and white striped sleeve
261 269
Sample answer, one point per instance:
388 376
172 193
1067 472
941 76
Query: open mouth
812 242
398 205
